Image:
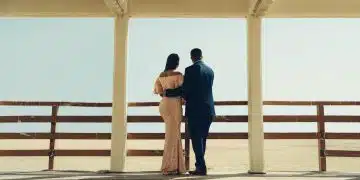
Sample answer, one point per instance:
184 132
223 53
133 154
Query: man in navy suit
199 105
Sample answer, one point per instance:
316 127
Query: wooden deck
68 175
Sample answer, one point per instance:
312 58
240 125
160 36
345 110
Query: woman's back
168 80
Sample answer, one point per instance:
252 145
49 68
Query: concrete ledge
254 172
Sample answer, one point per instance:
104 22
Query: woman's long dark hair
172 62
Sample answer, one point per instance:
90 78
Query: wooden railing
52 136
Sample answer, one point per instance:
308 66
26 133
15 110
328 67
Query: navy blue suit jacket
197 91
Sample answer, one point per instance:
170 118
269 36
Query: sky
62 59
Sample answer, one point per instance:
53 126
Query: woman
171 112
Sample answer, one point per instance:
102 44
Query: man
199 110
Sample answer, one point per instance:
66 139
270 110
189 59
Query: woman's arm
158 89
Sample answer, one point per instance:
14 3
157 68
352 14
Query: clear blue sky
71 60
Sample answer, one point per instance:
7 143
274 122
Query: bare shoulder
162 74
167 74
177 73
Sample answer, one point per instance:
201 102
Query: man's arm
174 92
186 84
182 90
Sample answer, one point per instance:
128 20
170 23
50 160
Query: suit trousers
199 130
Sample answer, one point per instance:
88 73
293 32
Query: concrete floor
70 175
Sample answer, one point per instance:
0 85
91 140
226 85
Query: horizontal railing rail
157 119
320 118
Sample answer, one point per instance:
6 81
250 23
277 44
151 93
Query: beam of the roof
259 7
189 8
182 8
117 7
137 8
314 9
54 8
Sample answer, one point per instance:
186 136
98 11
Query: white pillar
255 110
119 107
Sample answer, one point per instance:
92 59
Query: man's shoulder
208 68
189 68
193 69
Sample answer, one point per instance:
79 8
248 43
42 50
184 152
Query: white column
119 107
255 110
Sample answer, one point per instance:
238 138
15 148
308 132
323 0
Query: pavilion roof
179 8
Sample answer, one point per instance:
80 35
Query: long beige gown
171 111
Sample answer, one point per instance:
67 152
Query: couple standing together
195 88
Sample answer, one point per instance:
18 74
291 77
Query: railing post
187 145
54 112
321 137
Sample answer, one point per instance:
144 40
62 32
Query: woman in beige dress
171 112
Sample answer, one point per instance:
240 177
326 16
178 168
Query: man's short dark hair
196 53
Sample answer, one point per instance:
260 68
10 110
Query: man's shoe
198 173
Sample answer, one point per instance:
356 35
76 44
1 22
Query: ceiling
180 8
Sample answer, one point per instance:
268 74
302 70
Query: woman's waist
171 98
